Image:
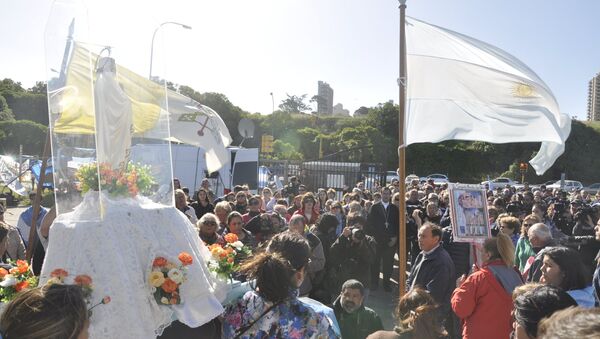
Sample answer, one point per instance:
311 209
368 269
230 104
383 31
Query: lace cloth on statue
117 253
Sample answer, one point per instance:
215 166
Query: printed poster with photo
469 214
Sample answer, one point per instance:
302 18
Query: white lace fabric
117 253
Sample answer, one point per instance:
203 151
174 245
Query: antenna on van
246 129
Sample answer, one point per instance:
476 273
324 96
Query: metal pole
154 35
401 152
36 203
272 103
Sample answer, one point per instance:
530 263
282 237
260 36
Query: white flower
152 289
238 244
176 275
9 280
164 300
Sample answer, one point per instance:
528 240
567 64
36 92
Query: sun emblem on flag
523 90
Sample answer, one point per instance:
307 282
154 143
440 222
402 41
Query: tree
22 132
6 113
230 113
285 151
361 111
294 104
39 88
8 85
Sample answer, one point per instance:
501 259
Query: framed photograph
468 212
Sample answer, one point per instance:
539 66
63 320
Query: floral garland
15 280
59 276
225 258
166 277
133 180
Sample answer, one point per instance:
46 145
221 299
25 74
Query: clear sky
247 49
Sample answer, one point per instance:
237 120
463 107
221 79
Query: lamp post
154 35
272 103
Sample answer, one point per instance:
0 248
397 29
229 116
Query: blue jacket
435 273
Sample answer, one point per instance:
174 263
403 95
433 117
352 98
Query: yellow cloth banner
77 114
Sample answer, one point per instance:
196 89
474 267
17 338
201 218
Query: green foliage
230 113
5 111
22 132
39 88
285 151
294 104
25 105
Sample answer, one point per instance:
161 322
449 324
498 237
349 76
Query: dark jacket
356 325
460 252
376 223
435 273
202 210
354 260
534 272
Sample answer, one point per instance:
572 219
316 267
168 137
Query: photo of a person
469 212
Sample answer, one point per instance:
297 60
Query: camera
358 234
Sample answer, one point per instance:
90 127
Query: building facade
593 107
325 98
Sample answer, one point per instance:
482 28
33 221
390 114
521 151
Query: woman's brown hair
417 313
49 312
286 254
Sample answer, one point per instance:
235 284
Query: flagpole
401 153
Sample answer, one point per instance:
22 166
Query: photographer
583 239
353 252
291 189
560 214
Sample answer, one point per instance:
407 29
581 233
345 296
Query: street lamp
272 103
154 35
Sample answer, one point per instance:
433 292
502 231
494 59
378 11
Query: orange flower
229 250
159 262
230 259
22 263
83 280
22 269
185 258
3 272
13 271
223 255
231 238
21 286
169 286
59 273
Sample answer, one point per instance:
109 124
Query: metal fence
332 171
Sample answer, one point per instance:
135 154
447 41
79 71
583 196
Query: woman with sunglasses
207 227
523 249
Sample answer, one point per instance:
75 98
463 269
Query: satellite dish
246 128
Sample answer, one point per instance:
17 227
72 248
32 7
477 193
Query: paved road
11 216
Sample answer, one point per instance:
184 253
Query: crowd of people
533 272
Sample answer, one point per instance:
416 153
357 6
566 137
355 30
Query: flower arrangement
225 258
118 183
15 280
59 276
166 277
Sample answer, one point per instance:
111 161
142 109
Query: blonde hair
49 312
534 220
501 247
